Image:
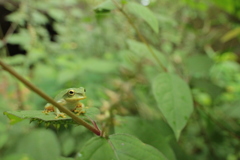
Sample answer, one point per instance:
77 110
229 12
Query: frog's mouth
76 99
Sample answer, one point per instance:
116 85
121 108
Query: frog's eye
71 92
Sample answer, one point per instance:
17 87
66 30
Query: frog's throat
75 99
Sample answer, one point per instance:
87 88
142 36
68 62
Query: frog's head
75 94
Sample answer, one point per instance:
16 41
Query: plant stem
10 31
49 99
140 35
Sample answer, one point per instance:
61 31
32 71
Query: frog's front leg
79 109
59 114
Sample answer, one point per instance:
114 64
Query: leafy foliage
174 100
38 144
144 13
153 132
119 146
163 74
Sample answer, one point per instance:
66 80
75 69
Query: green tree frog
68 98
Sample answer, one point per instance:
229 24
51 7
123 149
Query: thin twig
49 99
9 32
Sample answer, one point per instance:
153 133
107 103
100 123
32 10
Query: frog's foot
48 109
79 109
44 111
60 115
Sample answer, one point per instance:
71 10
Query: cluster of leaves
147 69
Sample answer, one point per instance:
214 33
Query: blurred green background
72 43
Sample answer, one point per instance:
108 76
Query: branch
9 32
49 99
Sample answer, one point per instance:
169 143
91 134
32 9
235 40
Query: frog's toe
83 112
60 115
45 111
78 112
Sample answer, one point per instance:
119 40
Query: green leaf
105 7
119 147
15 60
231 110
140 50
174 100
22 38
18 17
13 119
66 158
222 73
17 116
144 13
199 65
153 132
227 5
100 66
39 17
39 144
4 134
57 14
68 145
19 156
